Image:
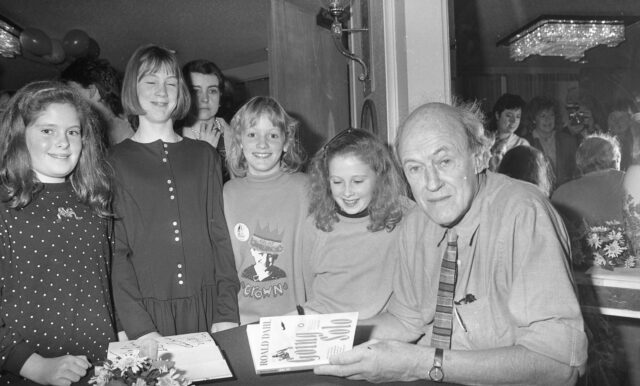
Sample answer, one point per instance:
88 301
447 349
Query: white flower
140 382
614 235
599 229
613 249
594 241
599 260
132 361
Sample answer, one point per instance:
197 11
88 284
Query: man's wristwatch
436 374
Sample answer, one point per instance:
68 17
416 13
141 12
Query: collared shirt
513 255
548 144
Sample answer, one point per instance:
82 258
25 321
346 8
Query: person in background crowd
527 163
631 208
265 205
558 146
597 195
504 123
358 198
512 316
626 129
173 269
56 314
100 83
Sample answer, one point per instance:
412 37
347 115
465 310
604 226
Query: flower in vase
594 241
613 249
133 362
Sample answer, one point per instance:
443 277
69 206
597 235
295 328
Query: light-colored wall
410 59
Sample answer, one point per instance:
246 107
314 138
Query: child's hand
209 133
59 371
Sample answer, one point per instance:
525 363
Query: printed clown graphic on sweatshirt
266 245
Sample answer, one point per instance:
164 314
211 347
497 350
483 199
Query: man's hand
59 371
381 361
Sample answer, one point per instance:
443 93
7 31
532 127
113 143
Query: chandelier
9 39
566 36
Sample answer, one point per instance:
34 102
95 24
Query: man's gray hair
598 152
471 117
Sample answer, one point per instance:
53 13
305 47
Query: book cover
196 355
299 342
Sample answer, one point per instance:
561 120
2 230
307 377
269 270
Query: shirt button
165 145
171 189
172 197
164 160
175 223
169 182
179 265
176 231
177 239
180 282
179 275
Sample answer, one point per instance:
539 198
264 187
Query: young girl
57 317
265 205
357 199
173 270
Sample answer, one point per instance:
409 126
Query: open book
299 342
197 355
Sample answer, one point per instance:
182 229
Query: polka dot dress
54 275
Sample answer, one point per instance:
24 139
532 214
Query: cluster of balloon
76 43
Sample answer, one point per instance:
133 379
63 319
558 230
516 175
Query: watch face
436 374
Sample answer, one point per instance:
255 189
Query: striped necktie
443 320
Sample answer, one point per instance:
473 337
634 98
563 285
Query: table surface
235 346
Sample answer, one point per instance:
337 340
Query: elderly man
513 317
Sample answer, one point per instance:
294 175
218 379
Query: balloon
57 55
76 43
94 49
35 41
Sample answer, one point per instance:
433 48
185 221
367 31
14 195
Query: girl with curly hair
57 315
357 199
265 204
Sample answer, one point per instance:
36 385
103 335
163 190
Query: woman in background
173 263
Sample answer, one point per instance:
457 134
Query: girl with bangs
357 200
173 263
56 315
265 206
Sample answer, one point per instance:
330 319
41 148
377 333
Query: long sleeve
226 277
14 351
126 292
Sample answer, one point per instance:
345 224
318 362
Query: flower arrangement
609 246
137 370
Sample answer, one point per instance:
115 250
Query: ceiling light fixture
338 9
9 38
566 36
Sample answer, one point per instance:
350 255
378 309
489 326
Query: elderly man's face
439 166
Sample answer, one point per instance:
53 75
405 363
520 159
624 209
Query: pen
455 312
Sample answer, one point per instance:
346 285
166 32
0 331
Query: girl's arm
225 267
135 320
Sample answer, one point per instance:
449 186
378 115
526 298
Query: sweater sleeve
226 276
132 315
14 351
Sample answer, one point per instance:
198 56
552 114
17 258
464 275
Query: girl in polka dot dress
56 311
173 267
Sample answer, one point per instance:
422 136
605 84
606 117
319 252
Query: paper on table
196 354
